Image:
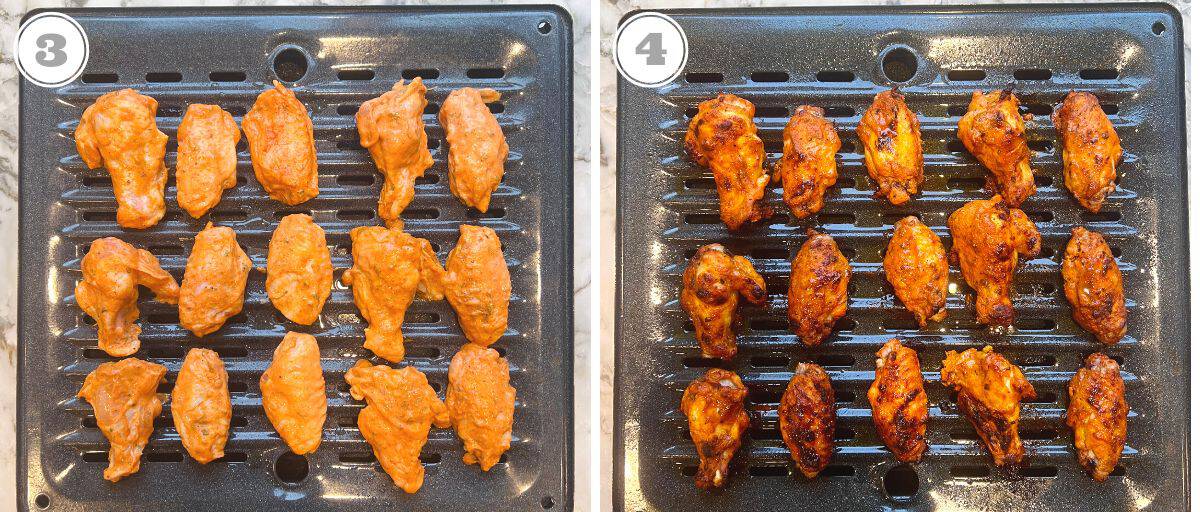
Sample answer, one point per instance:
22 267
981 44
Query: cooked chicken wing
915 264
477 146
200 405
124 398
990 390
119 132
389 267
898 402
477 284
715 408
817 296
299 269
390 127
282 148
207 163
891 138
401 405
1097 413
712 284
988 236
293 392
723 138
808 166
1092 283
1091 149
481 404
112 271
994 131
214 282
806 418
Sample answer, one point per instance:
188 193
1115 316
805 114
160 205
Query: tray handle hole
547 502
901 483
43 502
290 65
899 64
291 468
1159 28
544 27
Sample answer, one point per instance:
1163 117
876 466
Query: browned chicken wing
477 284
282 148
390 127
1092 283
112 271
712 284
891 138
990 390
1097 413
119 132
723 138
1091 149
817 296
899 405
916 266
293 392
481 404
200 405
988 236
124 399
715 408
806 418
994 131
809 166
214 282
207 163
299 269
477 146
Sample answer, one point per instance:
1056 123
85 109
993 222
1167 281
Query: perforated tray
1128 55
225 56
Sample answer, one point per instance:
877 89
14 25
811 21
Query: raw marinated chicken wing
477 284
477 146
119 132
207 163
915 264
1092 284
1097 413
988 236
299 269
990 390
108 292
481 404
712 284
293 392
994 131
1091 149
817 296
809 166
200 405
715 408
282 148
891 138
806 418
214 282
899 405
723 138
124 399
390 127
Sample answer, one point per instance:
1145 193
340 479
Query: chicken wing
481 404
806 418
200 405
1092 283
723 138
124 398
1097 413
817 296
299 269
994 131
390 127
988 236
891 138
809 166
899 405
112 271
712 284
293 392
715 408
1091 149
401 405
990 390
282 148
477 284
915 264
119 132
477 146
207 163
389 267
214 282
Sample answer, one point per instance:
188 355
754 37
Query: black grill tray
831 57
182 56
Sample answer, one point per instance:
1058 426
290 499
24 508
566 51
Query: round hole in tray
1158 27
43 502
291 468
547 502
545 27
290 64
899 64
901 482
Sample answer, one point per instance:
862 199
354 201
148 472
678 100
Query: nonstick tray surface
1130 56
226 56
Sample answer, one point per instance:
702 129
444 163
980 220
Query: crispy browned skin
282 148
477 284
1097 412
400 407
299 269
124 399
987 239
293 392
817 296
112 271
715 408
916 266
723 138
891 138
119 132
994 131
806 418
809 166
481 404
390 127
899 405
214 282
389 267
712 284
200 405
1092 283
1091 149
207 163
477 146
990 390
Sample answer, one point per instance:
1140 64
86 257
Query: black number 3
651 46
51 53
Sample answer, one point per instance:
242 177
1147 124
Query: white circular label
650 49
51 49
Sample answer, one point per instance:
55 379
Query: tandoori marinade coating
282 148
207 161
712 284
477 284
119 132
994 131
299 269
1098 413
891 139
481 404
916 266
293 392
809 164
200 405
477 146
806 418
817 288
1091 149
391 128
214 282
899 405
1093 285
124 399
723 138
714 405
987 238
990 390
108 292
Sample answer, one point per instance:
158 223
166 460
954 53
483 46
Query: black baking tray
225 56
1129 55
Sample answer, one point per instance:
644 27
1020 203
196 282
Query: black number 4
651 46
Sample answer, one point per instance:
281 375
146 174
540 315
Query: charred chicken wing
988 236
817 296
390 127
898 402
806 418
994 131
712 284
293 392
715 408
915 264
808 166
477 146
990 390
112 271
481 404
214 282
477 284
119 132
723 138
1097 413
200 405
124 399
299 269
1092 283
207 163
891 138
282 148
1091 149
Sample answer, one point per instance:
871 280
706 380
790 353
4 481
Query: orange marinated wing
899 405
891 138
112 271
806 418
481 404
1092 284
477 284
712 284
390 127
988 236
282 148
817 296
207 163
990 390
124 399
293 392
722 137
715 408
915 264
200 405
809 166
994 131
1097 413
299 269
214 282
119 132
1091 149
477 146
